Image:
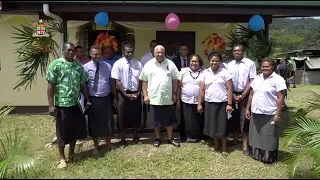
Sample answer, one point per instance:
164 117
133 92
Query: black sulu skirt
70 125
215 119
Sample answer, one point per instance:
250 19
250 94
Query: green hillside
294 34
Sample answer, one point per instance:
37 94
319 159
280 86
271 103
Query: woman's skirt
263 138
160 116
215 119
193 121
70 125
100 117
129 112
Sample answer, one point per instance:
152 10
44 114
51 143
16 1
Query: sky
315 17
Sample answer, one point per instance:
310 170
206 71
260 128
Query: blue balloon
101 19
256 23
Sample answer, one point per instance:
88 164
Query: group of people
222 99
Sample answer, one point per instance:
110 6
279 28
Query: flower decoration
104 40
213 43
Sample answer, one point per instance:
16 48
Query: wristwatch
89 103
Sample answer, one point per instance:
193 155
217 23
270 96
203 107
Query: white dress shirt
247 71
120 71
145 58
264 100
215 84
190 85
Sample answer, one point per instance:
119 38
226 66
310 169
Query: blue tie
129 77
236 77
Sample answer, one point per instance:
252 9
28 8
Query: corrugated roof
241 3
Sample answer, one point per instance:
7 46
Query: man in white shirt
126 72
145 58
243 71
159 85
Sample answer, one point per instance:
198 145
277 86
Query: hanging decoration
213 43
172 21
256 23
104 40
101 19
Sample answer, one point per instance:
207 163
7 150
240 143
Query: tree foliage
302 137
257 45
294 34
15 158
34 52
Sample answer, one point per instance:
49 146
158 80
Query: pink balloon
172 21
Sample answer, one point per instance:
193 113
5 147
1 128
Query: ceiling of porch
188 11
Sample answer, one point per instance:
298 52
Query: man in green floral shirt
66 79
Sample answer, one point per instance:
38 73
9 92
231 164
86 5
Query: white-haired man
159 85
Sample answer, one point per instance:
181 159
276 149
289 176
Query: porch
200 18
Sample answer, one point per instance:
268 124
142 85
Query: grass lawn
146 161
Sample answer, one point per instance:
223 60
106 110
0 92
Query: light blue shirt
104 82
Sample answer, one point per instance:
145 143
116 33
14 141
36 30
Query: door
177 37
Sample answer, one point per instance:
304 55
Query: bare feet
62 164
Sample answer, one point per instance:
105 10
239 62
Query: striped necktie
236 77
129 77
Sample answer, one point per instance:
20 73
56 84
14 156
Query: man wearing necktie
126 72
181 62
243 71
102 94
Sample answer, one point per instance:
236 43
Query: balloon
256 23
172 21
101 19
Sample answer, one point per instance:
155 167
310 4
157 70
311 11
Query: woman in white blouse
216 89
264 108
188 91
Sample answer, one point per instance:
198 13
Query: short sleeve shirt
190 85
247 71
264 100
67 77
215 84
120 71
159 78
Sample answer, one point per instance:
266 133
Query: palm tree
34 52
302 137
257 45
15 160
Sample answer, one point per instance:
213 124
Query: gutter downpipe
47 12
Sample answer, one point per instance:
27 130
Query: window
177 37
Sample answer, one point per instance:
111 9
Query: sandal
157 142
62 164
136 140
